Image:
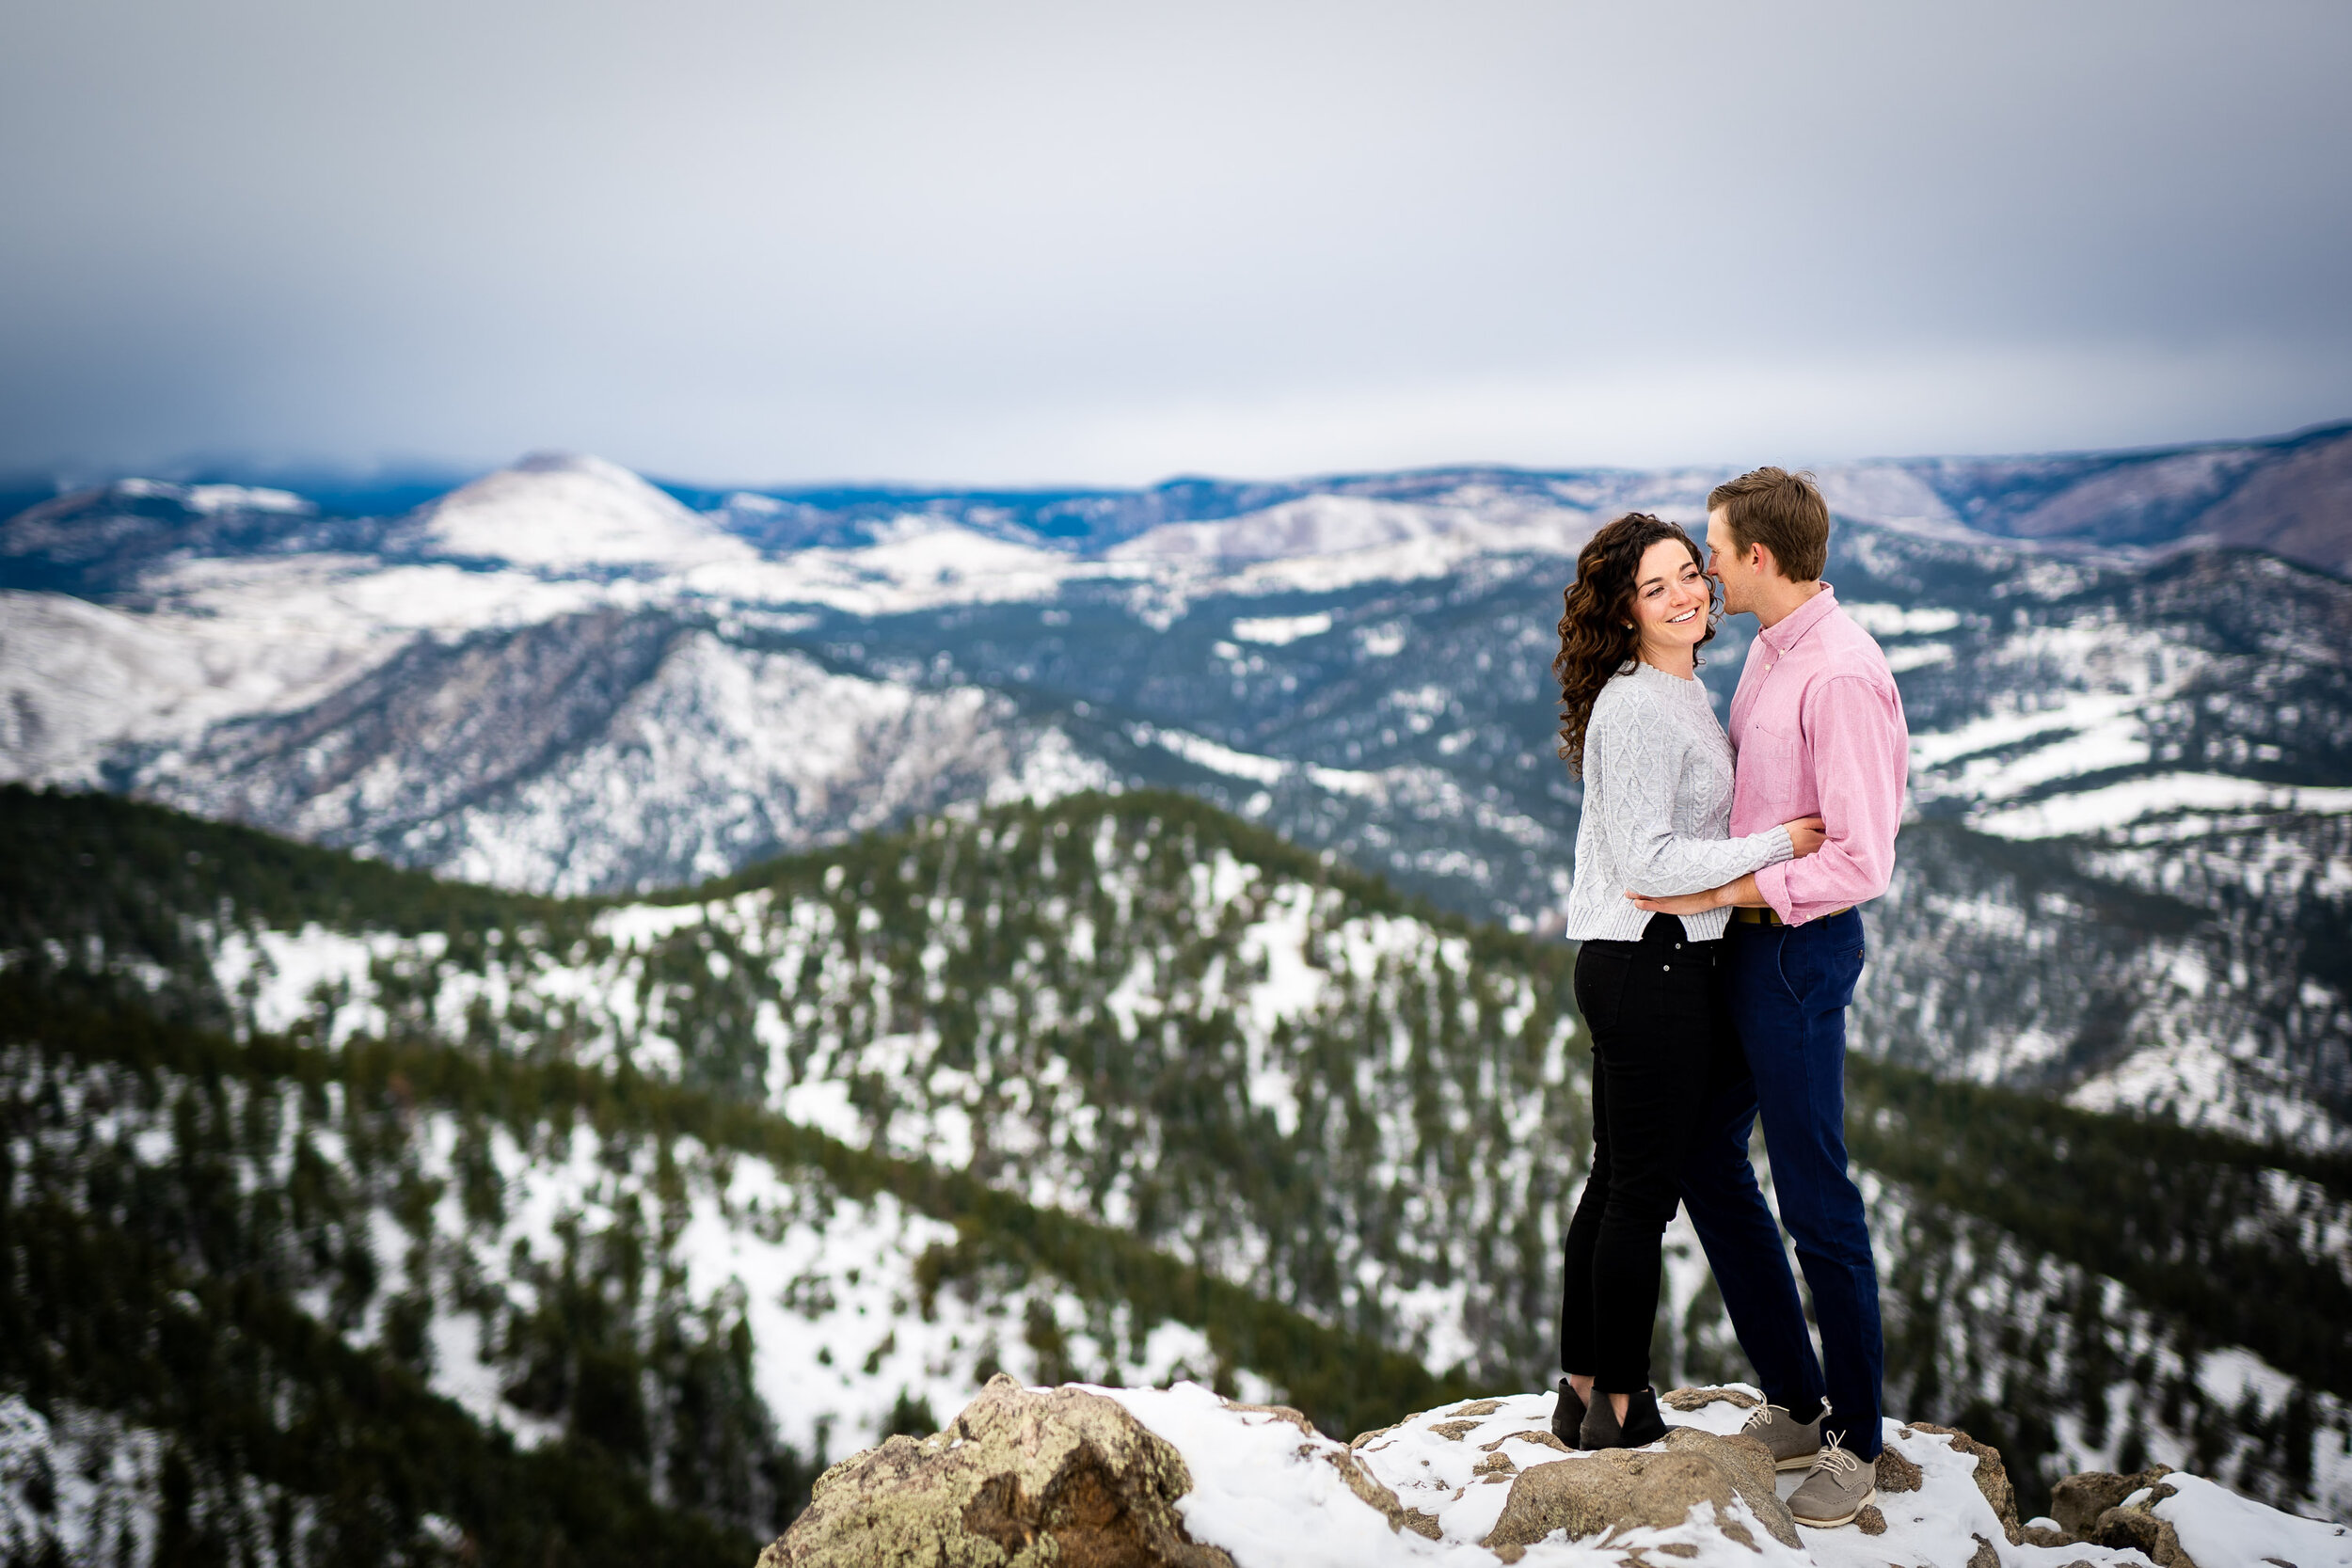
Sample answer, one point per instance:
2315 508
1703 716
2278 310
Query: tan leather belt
1768 916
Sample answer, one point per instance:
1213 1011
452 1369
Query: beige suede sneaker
1793 1443
1839 1487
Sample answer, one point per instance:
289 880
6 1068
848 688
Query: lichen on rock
2131 1521
1896 1473
2078 1501
1619 1489
1699 1399
1022 1477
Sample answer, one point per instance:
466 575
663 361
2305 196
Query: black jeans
1660 1025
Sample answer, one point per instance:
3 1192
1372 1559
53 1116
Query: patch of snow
1894 620
643 924
1264 1491
1203 753
824 1104
2217 1526
214 498
2071 715
909 568
2120 805
1917 656
1277 631
87 1481
1051 768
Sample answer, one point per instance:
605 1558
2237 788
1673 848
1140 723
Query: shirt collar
1793 626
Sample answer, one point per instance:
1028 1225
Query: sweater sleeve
1861 751
1638 756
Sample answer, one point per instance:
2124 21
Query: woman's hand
1682 903
1731 895
1805 834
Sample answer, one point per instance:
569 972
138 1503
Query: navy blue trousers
1789 990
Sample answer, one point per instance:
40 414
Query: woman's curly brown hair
1595 640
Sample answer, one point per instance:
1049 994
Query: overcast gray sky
759 241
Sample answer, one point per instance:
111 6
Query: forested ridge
1351 1191
165 1294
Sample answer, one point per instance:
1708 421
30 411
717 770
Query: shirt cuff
1773 883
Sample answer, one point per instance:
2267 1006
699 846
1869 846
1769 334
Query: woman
1636 723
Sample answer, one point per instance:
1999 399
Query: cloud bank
1045 242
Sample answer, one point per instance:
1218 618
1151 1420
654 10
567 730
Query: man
1819 730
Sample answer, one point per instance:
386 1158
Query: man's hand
1742 892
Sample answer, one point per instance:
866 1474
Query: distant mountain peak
565 509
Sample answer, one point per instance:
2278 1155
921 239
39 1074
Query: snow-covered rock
2185 1521
1178 1476
1065 1470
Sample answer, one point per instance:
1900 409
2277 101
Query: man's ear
1760 561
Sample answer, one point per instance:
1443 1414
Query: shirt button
1668 968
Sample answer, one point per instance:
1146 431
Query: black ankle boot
1568 1416
1642 1425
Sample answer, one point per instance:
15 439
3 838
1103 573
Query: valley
1109 1088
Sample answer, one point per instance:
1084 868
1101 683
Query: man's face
1726 566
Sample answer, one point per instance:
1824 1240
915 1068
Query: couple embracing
1715 903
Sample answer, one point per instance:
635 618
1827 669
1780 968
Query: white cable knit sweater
1657 808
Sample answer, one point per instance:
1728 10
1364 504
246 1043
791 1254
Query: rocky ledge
1177 1477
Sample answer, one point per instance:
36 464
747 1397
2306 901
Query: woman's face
1671 597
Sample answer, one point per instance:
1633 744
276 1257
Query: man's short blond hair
1780 511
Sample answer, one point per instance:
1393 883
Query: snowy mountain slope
556 512
211 643
481 1242
605 1325
2291 495
2079 719
695 750
78 680
1327 525
2202 978
102 543
1356 662
1143 1012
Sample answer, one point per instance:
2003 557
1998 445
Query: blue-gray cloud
1016 242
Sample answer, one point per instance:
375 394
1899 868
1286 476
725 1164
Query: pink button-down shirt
1819 728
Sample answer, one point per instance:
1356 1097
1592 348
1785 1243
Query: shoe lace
1762 1417
1834 1457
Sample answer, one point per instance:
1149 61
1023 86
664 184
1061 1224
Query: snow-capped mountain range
2132 745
